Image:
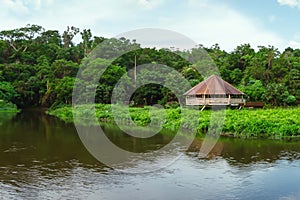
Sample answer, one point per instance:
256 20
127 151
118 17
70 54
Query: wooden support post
203 108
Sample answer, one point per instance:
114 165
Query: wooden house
214 91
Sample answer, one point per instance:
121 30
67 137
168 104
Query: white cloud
150 4
294 44
14 6
38 3
291 3
215 23
23 6
198 3
205 21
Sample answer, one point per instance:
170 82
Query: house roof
213 85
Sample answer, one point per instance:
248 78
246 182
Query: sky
227 22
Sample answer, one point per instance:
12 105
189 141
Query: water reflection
245 152
40 156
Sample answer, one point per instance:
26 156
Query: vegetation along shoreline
273 123
38 68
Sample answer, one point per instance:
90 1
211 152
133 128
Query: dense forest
38 68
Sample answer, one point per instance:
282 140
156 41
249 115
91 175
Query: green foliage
64 89
62 68
269 123
263 123
7 106
7 92
40 64
236 76
277 95
290 100
254 90
62 112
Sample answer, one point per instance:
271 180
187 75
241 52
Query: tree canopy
38 68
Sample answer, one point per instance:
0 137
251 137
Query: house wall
213 101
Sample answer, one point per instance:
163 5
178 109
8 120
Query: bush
7 106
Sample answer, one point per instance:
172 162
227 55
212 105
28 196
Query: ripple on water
188 177
51 181
57 166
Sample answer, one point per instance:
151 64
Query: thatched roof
213 85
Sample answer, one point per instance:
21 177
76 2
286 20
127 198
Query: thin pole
134 75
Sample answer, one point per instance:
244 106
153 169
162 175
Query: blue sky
226 22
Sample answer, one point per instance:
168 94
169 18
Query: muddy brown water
42 157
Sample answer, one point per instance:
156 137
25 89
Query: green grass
258 123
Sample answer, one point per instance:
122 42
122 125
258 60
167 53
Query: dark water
43 158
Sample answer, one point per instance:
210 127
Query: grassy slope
266 123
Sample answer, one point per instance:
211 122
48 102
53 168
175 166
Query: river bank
275 123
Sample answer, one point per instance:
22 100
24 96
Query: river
42 157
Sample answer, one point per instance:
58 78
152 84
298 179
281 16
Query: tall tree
86 36
68 36
269 53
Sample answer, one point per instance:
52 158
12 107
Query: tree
107 82
7 92
192 75
68 36
62 68
277 94
254 90
4 52
39 64
292 80
236 76
241 57
20 39
86 36
97 40
50 37
63 90
269 53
